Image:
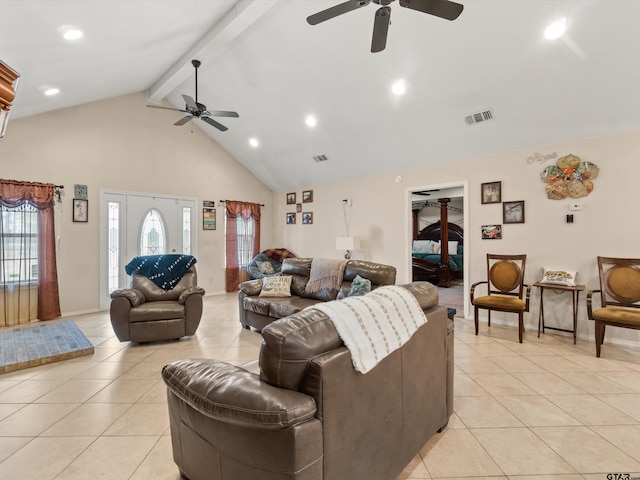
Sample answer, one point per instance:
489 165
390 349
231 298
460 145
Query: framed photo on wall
291 218
307 196
208 218
307 218
491 192
491 232
80 210
513 212
291 198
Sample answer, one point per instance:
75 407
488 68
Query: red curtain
235 211
41 196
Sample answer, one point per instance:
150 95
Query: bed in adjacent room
438 258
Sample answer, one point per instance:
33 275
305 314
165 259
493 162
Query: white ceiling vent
479 117
320 158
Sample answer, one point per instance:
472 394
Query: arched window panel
153 238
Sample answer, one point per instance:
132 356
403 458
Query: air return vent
479 117
320 158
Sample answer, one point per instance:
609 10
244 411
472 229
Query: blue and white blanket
163 270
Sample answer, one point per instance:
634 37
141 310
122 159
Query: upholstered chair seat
496 302
506 289
619 296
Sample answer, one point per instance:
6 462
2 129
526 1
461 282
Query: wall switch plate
575 206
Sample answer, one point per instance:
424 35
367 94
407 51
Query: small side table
575 291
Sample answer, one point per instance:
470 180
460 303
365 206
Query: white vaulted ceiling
261 59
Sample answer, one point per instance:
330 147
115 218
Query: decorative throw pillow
559 277
436 247
359 286
422 246
276 286
453 247
266 268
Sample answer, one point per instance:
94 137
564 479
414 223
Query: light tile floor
544 409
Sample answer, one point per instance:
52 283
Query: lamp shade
346 243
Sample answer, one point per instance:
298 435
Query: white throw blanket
376 324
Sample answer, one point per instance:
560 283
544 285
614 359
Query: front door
134 224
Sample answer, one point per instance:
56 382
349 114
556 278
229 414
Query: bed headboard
432 232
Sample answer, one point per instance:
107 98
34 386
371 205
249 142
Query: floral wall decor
569 177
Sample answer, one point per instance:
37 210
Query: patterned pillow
265 268
359 286
276 286
559 277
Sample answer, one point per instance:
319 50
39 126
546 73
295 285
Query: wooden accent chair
619 296
507 291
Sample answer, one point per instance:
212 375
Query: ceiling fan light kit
439 8
194 109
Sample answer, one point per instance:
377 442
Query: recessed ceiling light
254 142
51 91
311 121
399 87
70 32
556 29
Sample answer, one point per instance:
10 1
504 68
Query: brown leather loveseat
257 312
308 414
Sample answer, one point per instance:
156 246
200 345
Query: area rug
31 346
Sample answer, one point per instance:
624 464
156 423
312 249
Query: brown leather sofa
147 313
258 312
308 414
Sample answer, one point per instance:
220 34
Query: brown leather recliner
308 414
147 313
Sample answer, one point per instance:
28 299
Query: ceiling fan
193 109
440 8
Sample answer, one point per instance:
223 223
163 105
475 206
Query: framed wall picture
208 218
291 198
491 232
491 192
307 218
307 196
513 212
80 210
298 207
291 218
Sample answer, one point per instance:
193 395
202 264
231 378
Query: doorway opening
426 206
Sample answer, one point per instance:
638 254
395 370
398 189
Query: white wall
119 144
606 226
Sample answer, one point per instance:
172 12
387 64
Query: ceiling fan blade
165 108
380 29
191 103
440 8
218 125
183 120
332 12
221 113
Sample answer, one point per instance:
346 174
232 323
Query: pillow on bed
559 277
453 247
436 247
422 246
